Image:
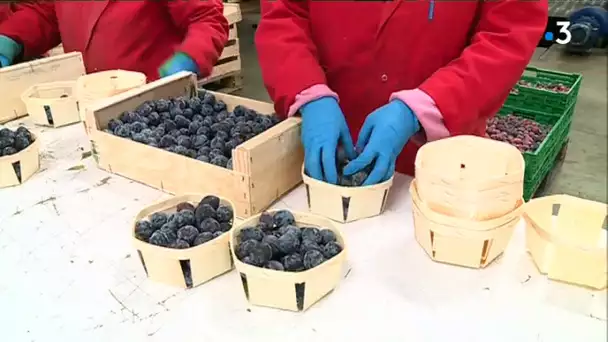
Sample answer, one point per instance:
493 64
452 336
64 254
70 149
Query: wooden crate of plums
288 260
167 135
348 200
19 156
15 79
183 241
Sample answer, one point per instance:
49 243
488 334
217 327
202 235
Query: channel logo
562 36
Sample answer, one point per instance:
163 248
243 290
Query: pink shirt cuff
315 92
427 113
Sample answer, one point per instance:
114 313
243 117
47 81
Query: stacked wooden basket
98 86
467 199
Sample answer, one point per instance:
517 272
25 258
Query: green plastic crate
532 182
540 162
545 101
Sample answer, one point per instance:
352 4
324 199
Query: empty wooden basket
470 177
174 266
295 291
566 237
462 242
345 204
100 85
19 167
52 104
15 79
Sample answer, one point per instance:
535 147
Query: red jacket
5 12
130 35
465 55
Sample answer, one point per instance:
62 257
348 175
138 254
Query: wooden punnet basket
52 104
295 291
458 241
567 239
19 167
91 88
173 266
345 204
15 79
470 177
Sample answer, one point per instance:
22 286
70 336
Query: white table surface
68 272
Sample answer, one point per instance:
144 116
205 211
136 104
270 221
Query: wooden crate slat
231 50
233 32
232 12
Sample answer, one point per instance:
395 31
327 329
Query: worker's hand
382 137
323 126
178 62
9 50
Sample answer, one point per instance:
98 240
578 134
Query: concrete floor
583 172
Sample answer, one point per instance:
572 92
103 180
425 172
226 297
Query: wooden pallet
226 74
543 188
247 7
227 83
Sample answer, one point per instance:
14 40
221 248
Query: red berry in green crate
555 87
525 134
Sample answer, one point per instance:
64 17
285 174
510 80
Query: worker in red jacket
157 38
395 74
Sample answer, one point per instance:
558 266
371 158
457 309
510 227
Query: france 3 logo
558 32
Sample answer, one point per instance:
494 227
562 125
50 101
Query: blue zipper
431 10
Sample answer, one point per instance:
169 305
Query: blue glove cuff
9 49
4 62
314 105
179 62
409 113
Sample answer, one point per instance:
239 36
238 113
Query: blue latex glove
323 126
178 62
382 137
9 49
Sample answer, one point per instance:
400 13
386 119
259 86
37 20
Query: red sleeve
287 56
5 12
206 30
34 25
476 84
